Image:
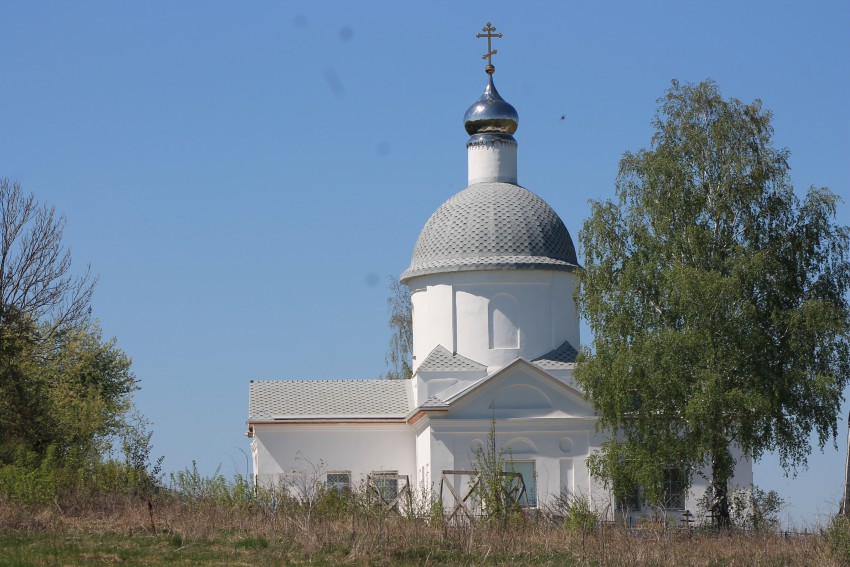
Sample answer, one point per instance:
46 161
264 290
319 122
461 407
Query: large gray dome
492 226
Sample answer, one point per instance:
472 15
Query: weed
218 521
252 543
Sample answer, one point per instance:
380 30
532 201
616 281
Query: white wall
315 449
558 449
454 310
534 417
423 457
492 161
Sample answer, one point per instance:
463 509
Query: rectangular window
339 481
529 479
386 487
674 489
631 502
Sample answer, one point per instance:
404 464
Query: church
495 333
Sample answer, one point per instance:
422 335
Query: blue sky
243 177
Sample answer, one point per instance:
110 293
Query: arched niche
520 397
519 446
503 321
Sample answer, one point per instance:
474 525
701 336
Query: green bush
580 515
58 477
837 535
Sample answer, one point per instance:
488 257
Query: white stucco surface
315 449
455 310
493 162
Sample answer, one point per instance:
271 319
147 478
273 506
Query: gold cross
489 69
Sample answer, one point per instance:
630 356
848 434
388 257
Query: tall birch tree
718 302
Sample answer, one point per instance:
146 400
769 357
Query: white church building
495 332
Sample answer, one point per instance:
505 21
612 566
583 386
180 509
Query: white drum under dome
492 272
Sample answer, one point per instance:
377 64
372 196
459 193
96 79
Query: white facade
495 332
538 419
283 453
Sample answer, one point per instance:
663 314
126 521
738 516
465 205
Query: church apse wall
494 317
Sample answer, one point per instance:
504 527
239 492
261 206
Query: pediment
521 390
520 397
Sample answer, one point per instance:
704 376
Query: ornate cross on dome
489 69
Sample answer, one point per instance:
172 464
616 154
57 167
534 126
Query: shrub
837 535
580 515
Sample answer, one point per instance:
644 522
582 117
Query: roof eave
326 419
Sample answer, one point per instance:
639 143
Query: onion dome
491 114
492 226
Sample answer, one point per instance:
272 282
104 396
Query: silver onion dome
491 114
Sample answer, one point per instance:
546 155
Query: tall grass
215 520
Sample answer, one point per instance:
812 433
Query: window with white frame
339 481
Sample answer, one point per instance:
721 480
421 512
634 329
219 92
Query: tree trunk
719 497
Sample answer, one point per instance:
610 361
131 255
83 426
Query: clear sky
243 176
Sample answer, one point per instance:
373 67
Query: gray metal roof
492 226
329 399
442 360
434 402
560 358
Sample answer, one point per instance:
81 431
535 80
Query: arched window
504 321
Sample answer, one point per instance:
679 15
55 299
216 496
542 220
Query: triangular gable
519 390
451 392
442 360
561 358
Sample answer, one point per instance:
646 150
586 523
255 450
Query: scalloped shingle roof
442 360
329 399
492 226
558 359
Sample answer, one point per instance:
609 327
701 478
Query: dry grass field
198 532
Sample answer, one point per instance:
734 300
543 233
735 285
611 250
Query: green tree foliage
70 392
399 356
717 300
63 388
